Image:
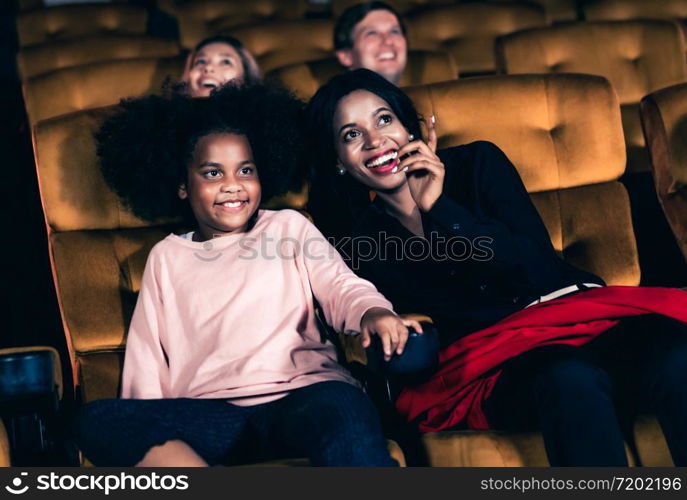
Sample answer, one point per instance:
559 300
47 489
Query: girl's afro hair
147 144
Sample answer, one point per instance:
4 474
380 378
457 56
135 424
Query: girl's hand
392 330
424 169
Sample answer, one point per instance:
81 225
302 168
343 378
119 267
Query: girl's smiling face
213 65
223 186
367 136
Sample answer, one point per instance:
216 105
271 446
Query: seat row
569 156
466 30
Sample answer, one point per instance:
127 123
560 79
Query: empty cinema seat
422 67
42 58
563 133
623 10
98 250
203 18
70 21
557 11
637 57
281 43
401 6
97 84
468 31
664 120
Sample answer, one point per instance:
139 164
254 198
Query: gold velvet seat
46 57
557 11
281 43
468 31
203 18
97 84
404 7
98 250
637 57
5 458
664 120
422 67
70 21
564 135
623 10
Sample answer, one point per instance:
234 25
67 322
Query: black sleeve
502 218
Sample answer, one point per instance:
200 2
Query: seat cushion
95 85
488 449
70 21
422 67
279 44
468 31
637 57
50 56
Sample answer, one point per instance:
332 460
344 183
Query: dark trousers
584 399
331 423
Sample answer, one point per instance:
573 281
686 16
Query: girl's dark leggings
331 423
584 399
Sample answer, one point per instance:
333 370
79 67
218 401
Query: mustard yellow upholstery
468 31
50 56
557 10
97 84
69 21
203 18
664 118
651 444
4 447
281 43
401 6
422 67
489 449
98 249
564 135
622 10
637 57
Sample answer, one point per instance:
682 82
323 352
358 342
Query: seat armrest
30 380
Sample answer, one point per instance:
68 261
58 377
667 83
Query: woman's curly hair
146 146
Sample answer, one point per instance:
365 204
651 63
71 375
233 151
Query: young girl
515 356
223 350
217 60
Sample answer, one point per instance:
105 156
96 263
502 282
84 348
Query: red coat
455 393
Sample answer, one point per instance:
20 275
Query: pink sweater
234 317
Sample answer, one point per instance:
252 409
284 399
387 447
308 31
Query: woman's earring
411 138
341 171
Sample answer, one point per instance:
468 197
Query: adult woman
567 384
217 60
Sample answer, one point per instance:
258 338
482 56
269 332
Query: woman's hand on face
392 330
424 169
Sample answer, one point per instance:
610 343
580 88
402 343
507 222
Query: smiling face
223 187
378 45
367 136
213 65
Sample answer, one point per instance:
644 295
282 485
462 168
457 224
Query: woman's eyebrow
379 110
346 126
209 164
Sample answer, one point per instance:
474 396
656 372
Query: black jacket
486 252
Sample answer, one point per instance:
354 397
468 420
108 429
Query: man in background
372 35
